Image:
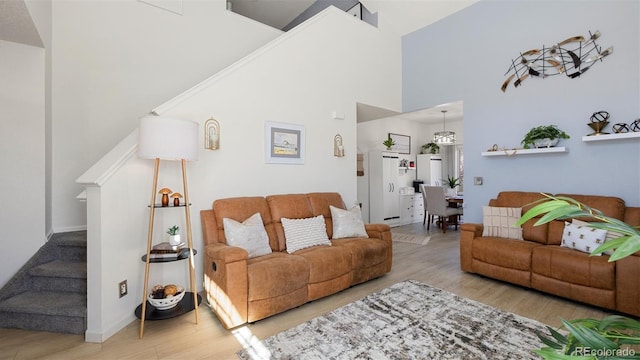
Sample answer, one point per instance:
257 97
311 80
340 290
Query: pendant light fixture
444 137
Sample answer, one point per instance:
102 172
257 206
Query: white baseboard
70 229
100 337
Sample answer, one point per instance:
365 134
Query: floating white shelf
629 135
406 168
508 152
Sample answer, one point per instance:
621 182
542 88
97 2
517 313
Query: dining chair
437 205
424 203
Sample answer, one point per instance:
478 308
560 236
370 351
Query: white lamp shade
167 138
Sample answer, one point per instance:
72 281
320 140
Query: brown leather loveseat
539 262
241 289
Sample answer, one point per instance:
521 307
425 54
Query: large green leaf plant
614 336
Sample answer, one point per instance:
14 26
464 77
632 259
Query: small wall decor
338 149
401 143
284 143
360 164
635 125
212 134
572 57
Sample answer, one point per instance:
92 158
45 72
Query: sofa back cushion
320 206
240 209
524 200
290 206
609 205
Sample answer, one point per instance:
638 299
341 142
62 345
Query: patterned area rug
408 320
408 238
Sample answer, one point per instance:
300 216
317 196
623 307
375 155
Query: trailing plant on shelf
388 143
610 337
430 148
543 132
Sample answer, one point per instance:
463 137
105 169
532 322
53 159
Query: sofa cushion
290 206
610 234
276 274
501 222
249 235
364 252
304 233
574 267
320 202
609 205
581 237
347 223
239 209
504 252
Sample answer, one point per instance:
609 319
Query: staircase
49 293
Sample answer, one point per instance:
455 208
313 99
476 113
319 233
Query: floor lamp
163 138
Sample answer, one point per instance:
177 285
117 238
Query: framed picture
402 143
284 143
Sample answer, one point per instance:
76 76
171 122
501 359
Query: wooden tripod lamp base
163 138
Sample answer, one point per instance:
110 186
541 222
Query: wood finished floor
436 264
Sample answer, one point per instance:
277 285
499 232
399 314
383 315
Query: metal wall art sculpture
572 57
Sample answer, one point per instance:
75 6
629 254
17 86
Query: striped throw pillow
304 233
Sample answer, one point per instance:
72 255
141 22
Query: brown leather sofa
539 262
243 290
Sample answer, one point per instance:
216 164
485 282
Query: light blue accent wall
465 57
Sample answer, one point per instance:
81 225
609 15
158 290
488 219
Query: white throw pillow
249 235
610 234
304 233
347 223
582 238
501 222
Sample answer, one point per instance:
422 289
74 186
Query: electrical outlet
122 288
477 180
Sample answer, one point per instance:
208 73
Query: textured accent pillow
610 234
304 233
501 222
582 238
347 223
249 235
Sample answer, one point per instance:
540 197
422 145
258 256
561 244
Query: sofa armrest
468 232
382 232
628 285
226 282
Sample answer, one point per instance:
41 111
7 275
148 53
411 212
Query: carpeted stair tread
75 238
58 268
47 303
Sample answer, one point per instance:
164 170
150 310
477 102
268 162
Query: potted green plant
388 143
613 334
543 136
174 236
430 148
452 183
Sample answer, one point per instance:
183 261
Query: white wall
300 78
22 176
475 47
117 60
40 12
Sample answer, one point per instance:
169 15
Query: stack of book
166 251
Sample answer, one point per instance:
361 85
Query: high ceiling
16 24
402 16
